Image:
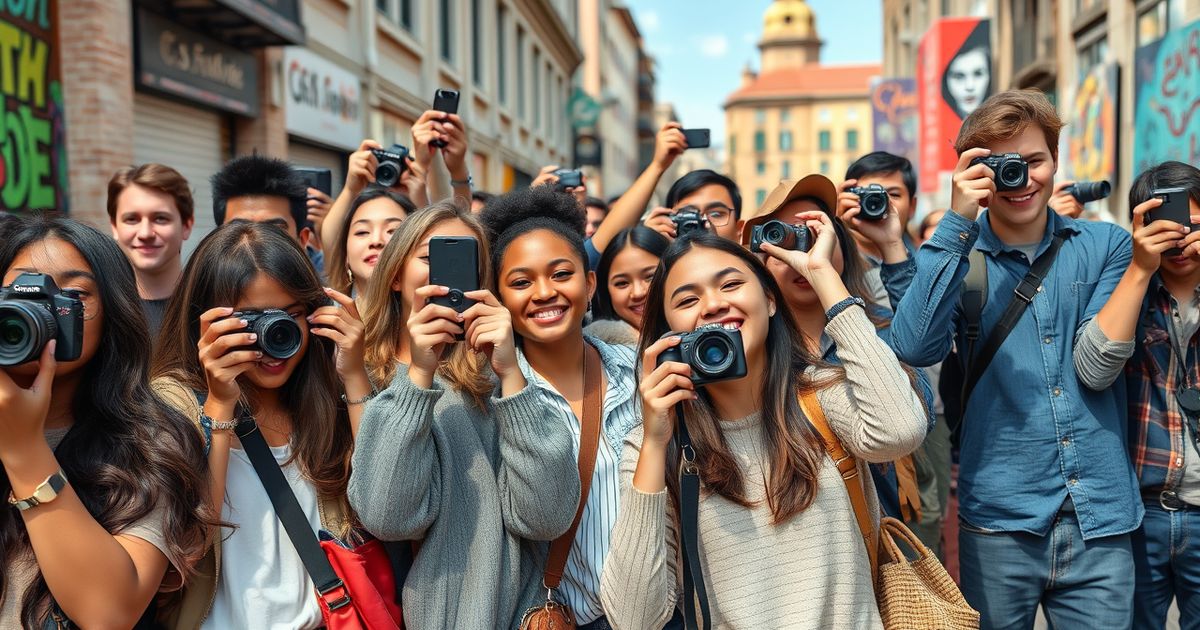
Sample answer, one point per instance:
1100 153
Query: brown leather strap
589 441
848 467
906 485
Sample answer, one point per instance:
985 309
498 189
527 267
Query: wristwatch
469 181
45 493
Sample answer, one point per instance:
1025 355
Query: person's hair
218 273
259 176
479 195
794 450
884 163
335 261
695 180
598 203
1170 174
638 236
127 453
383 308
1006 115
523 210
158 177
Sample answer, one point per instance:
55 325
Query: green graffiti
24 63
33 11
25 148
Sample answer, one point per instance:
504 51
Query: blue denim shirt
1032 433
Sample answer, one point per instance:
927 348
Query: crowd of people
178 436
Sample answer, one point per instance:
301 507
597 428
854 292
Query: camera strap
694 590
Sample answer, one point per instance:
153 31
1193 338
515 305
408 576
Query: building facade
795 116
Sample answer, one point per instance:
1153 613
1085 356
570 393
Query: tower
789 36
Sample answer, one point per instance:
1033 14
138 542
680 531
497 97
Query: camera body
1010 169
279 336
34 311
873 201
782 235
568 178
714 352
688 221
391 166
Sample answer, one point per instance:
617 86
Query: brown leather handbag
556 615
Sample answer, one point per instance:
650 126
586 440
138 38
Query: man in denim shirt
1047 494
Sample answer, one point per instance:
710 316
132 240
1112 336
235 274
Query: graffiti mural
1167 111
896 123
1091 133
33 160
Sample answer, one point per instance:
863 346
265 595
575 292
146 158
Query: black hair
259 176
695 180
1170 174
596 202
883 163
373 192
479 195
538 208
638 236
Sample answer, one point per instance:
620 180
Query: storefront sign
954 65
183 63
1167 112
33 154
324 102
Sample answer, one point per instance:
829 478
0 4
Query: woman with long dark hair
118 473
208 352
622 282
374 216
778 541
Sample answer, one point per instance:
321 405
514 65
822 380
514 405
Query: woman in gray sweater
477 469
778 541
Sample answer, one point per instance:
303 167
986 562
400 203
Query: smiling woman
374 216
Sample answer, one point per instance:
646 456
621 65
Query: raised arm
360 172
628 209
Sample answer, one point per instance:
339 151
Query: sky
701 46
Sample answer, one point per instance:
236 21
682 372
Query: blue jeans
1006 575
1168 566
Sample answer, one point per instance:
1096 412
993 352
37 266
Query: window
502 53
760 196
1154 19
785 170
520 72
824 141
852 140
760 168
398 11
785 141
537 88
760 115
785 115
824 115
852 114
1092 55
477 42
760 141
825 167
446 29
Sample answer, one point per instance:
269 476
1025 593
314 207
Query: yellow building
795 116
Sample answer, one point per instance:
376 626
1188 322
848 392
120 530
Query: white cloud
648 20
714 46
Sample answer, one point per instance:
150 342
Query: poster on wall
1091 132
954 66
895 122
1167 106
33 145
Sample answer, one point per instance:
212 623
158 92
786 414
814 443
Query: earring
350 275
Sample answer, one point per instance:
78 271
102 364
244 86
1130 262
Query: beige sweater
810 572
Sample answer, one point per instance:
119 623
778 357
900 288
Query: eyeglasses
717 215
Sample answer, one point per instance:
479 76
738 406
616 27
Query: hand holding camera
664 384
1151 238
687 220
973 184
660 221
360 171
23 410
868 210
390 164
668 145
34 312
228 348
342 325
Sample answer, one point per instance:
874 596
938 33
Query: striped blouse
621 412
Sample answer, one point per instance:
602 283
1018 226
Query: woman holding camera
458 452
373 218
778 541
272 351
105 482
623 280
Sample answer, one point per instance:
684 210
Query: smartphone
444 101
697 138
568 178
319 178
454 263
1175 207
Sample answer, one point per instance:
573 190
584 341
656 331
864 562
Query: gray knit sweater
483 491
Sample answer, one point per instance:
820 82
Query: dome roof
790 19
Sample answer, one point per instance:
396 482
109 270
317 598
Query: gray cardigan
482 490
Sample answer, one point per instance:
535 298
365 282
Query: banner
33 138
324 101
1167 108
1091 132
954 69
896 123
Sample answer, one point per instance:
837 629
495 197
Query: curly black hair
261 176
539 208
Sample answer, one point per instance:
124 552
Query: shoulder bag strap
589 441
689 531
848 467
1023 296
291 515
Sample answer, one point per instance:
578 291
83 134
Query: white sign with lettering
324 101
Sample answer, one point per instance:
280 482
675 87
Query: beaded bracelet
837 309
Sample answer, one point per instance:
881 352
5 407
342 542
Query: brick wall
266 134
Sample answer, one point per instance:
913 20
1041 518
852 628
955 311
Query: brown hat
817 186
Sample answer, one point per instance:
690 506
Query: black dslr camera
1011 172
391 164
32 312
279 336
780 234
873 200
714 353
688 221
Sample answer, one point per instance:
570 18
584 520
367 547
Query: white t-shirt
262 583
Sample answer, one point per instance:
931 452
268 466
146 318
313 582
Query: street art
1092 126
33 161
896 123
1167 112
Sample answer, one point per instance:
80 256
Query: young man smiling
1047 494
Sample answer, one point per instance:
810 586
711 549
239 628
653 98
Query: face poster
954 62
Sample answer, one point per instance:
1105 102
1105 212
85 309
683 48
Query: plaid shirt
1156 430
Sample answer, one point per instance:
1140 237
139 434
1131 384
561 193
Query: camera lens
279 335
774 234
387 174
1012 175
455 297
24 330
714 354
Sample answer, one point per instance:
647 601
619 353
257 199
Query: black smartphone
319 178
1175 207
568 178
454 263
697 138
444 101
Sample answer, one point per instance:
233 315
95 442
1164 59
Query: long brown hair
226 261
383 310
794 449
